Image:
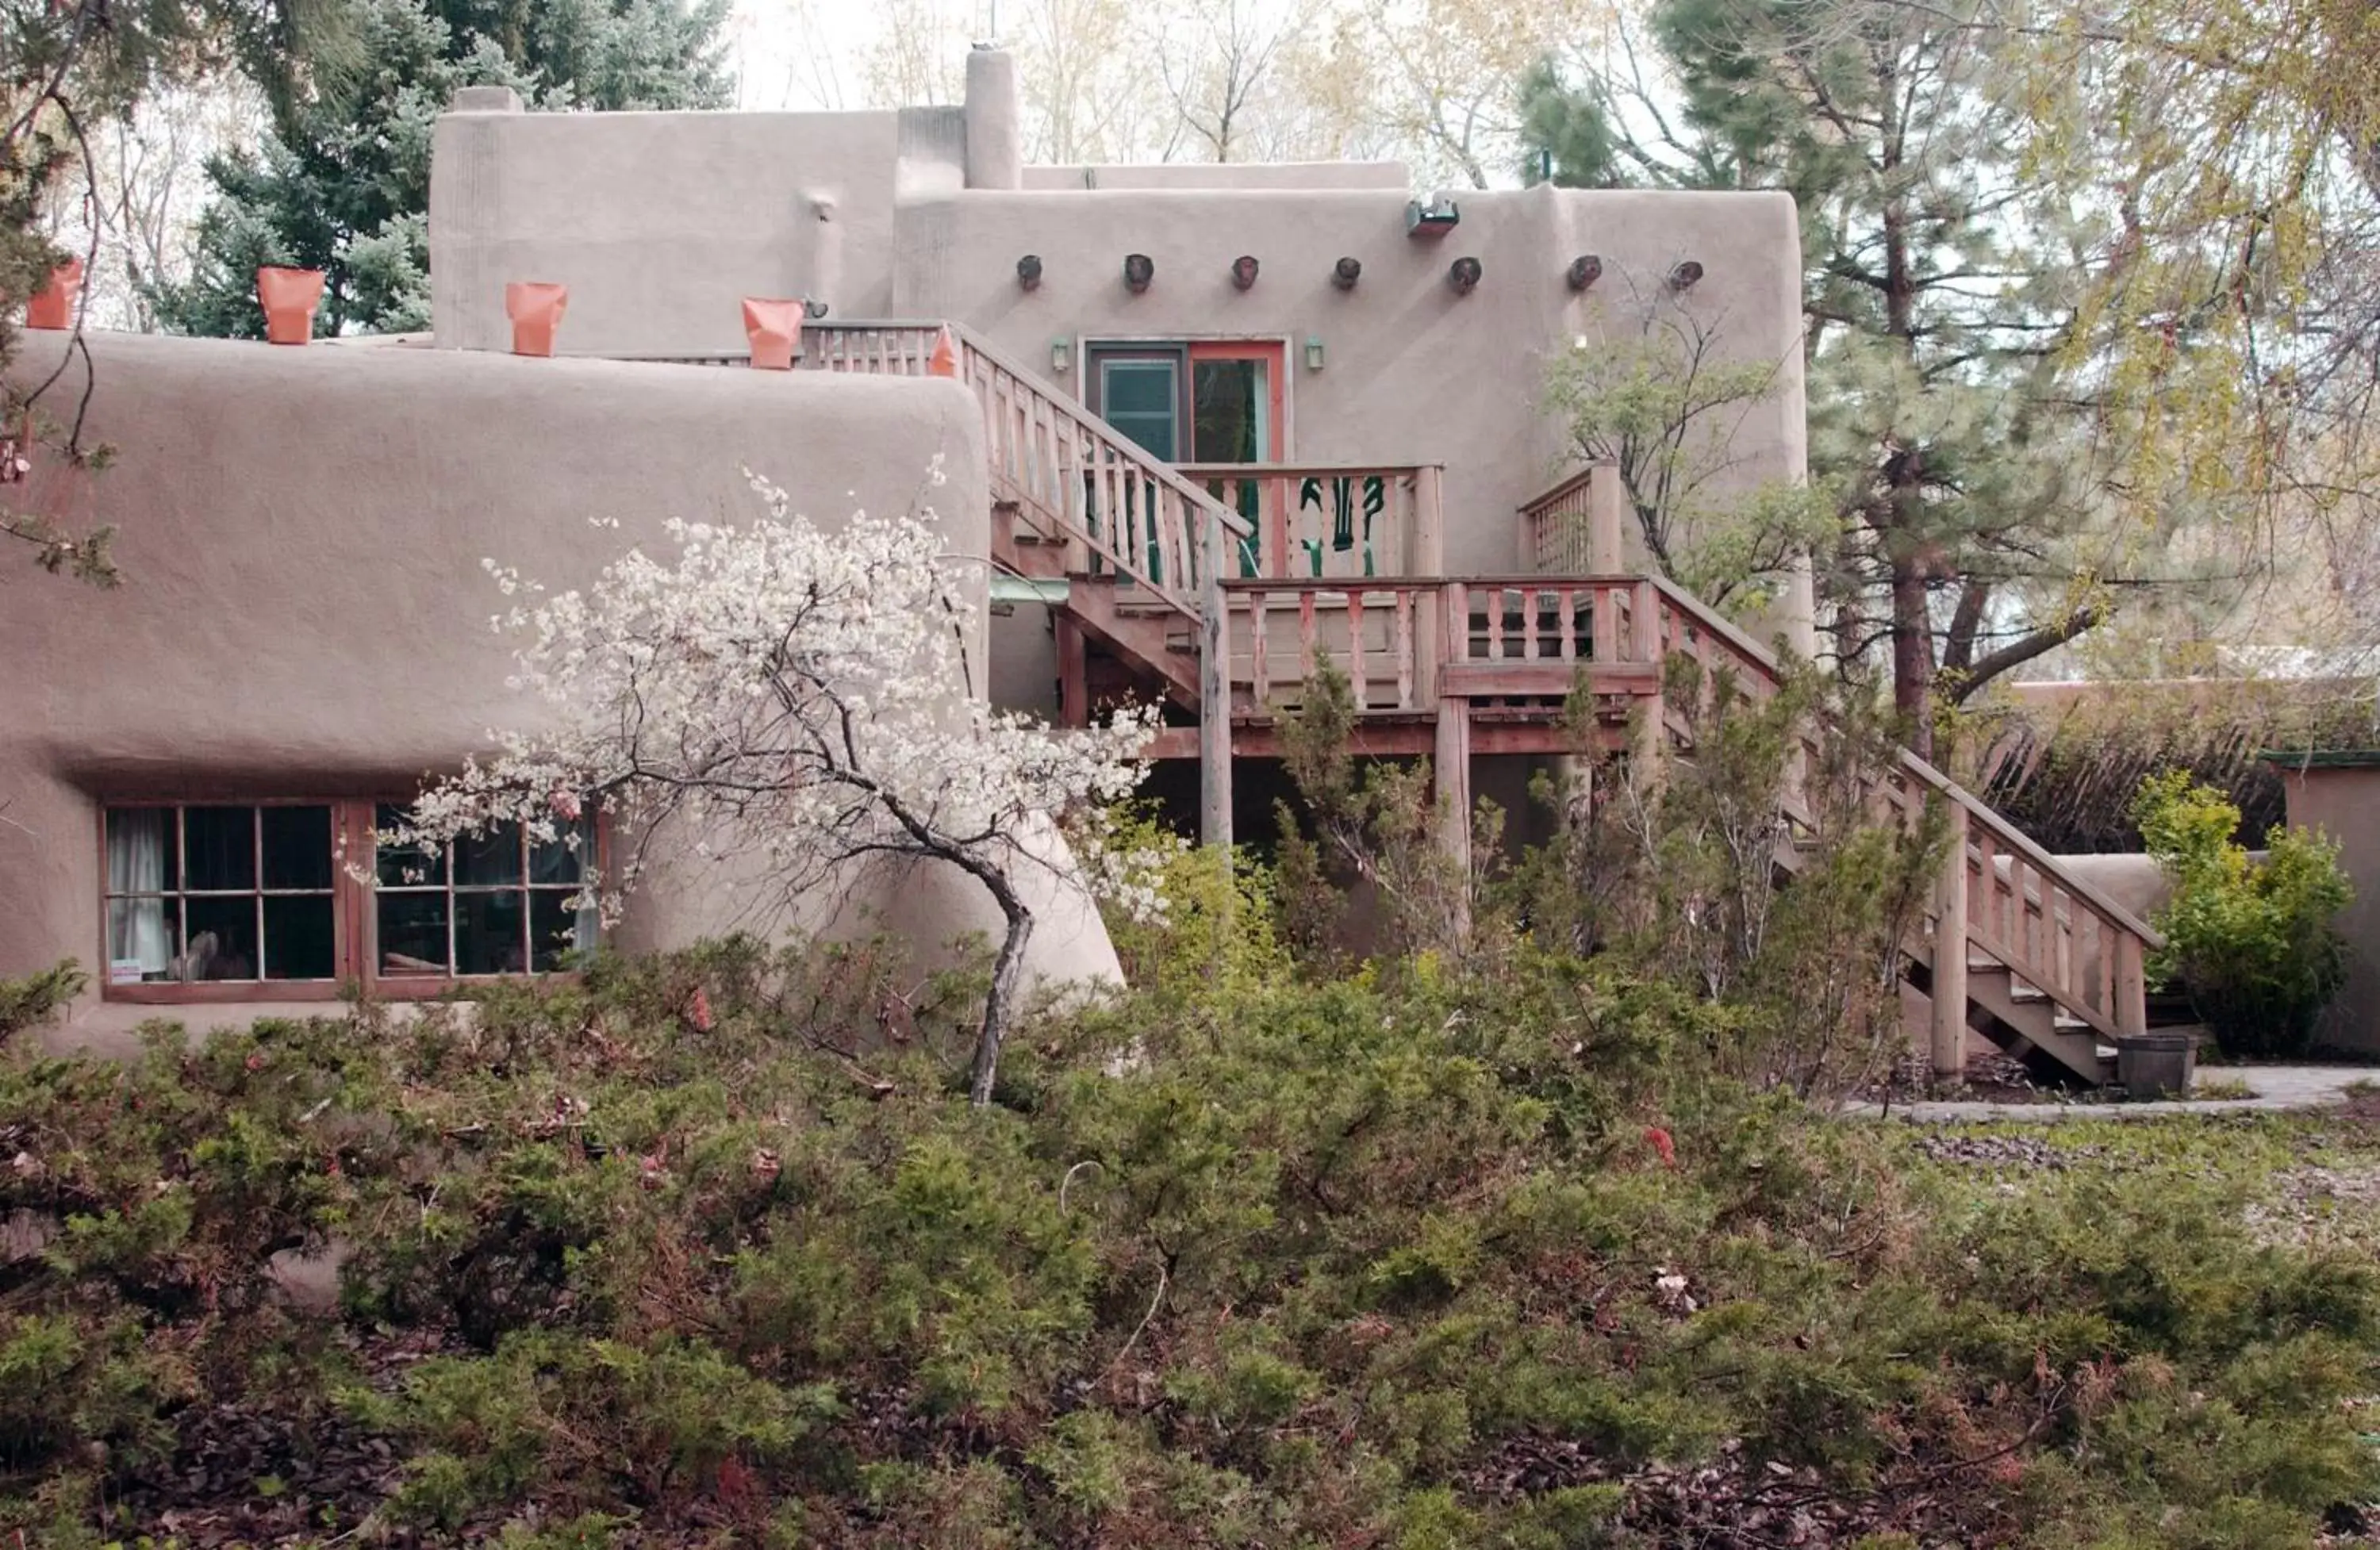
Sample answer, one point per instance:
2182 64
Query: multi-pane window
261 894
494 903
219 892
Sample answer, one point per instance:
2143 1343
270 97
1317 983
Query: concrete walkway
2277 1088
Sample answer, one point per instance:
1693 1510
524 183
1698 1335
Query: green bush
2254 944
1388 1258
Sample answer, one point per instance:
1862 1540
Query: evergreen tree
342 184
1950 419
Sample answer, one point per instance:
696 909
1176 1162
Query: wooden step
1996 996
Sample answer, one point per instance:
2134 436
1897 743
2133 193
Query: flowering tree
809 693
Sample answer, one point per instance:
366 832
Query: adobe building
2338 792
1208 429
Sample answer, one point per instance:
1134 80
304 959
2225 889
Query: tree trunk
1912 654
1007 974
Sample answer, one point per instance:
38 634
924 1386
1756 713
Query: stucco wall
304 613
2344 802
661 222
1413 372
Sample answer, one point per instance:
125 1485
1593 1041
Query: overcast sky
811 54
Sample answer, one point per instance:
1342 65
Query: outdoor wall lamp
1028 272
1314 352
1243 273
1140 269
1583 271
1436 218
1683 274
1062 354
1463 275
1345 272
813 307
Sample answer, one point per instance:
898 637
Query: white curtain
136 838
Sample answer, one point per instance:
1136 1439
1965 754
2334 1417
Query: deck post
1450 767
1427 557
2131 986
1949 1041
1604 520
1074 686
1214 693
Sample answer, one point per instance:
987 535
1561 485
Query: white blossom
810 692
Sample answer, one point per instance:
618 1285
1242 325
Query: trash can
2156 1065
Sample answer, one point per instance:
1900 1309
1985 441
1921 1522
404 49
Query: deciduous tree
68 69
812 694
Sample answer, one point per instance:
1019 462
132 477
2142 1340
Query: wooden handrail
1567 487
1296 470
1156 471
1306 515
1132 514
2003 833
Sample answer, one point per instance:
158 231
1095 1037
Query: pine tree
1948 421
342 184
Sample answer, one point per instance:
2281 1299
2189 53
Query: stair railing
1074 477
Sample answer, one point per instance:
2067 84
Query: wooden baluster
1015 435
1984 909
1607 603
1260 634
1123 525
1495 623
1048 480
1568 619
1179 511
1097 503
1357 677
988 408
2102 973
1305 627
2061 937
1113 533
1404 649
2028 897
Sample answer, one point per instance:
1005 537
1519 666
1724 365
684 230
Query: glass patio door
1206 402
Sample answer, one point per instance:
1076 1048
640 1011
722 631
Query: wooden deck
1224 588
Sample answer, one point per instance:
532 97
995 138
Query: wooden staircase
1191 599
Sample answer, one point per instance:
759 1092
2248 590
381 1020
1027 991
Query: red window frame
352 915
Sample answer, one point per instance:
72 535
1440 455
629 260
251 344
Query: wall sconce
1683 274
1345 272
1028 272
1436 218
1463 275
1583 271
1314 352
1062 354
1243 273
813 307
1140 269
